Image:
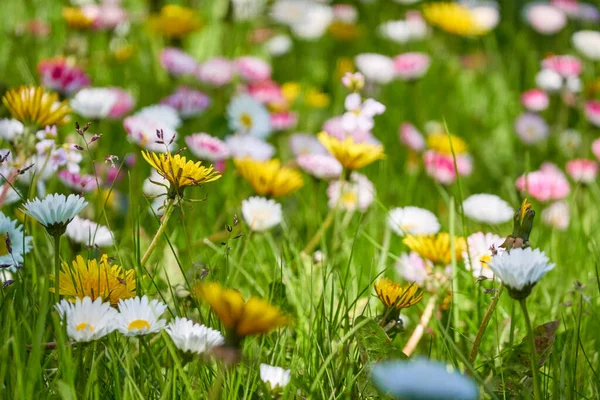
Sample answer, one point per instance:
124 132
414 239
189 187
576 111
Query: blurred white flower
413 221
557 215
89 233
549 80
307 19
487 208
376 68
93 103
355 194
261 214
55 211
242 146
163 114
531 128
10 129
587 43
320 166
545 18
279 45
412 268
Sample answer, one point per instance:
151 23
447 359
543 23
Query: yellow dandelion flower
453 18
269 178
343 31
179 172
34 105
175 21
436 248
76 18
290 91
316 99
96 279
241 318
393 294
350 154
440 142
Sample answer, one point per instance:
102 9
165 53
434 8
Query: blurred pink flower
177 62
75 181
217 71
531 128
266 92
335 127
187 101
592 112
547 183
359 115
410 66
304 143
412 268
37 28
353 80
411 137
596 148
320 166
441 166
569 7
545 18
345 13
142 131
582 170
207 147
107 15
123 105
283 120
253 69
565 66
535 100
557 215
62 75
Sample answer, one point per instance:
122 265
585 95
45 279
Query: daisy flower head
412 268
531 128
140 316
164 114
549 80
266 92
279 45
305 143
123 105
454 18
354 81
520 269
244 146
177 62
394 295
440 166
180 172
241 318
217 71
261 214
356 193
253 69
89 233
436 248
565 66
144 131
55 211
192 337
557 215
487 208
93 103
175 21
269 178
592 112
413 221
207 147
350 154
535 100
10 129
187 102
582 170
77 181
480 251
545 18
587 43
320 166
547 183
249 116
283 120
410 66
34 105
276 378
86 319
61 74
411 137
359 114
307 20
13 243
376 68
79 17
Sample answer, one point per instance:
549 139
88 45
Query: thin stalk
484 324
317 237
159 232
56 268
417 334
384 251
534 362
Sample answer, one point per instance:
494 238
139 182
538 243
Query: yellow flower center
139 324
349 198
246 120
3 247
484 260
84 326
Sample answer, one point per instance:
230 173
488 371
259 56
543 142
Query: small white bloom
306 143
192 337
87 320
413 220
274 377
573 84
261 214
520 269
487 208
140 316
207 147
94 103
355 194
89 233
10 129
557 215
549 80
55 209
412 268
279 45
587 43
479 249
162 114
376 68
242 146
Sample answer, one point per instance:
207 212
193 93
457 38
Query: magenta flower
535 100
177 62
440 166
106 16
62 75
187 101
592 112
207 147
565 66
547 183
411 137
266 92
409 66
75 181
217 71
596 148
320 166
582 170
123 105
253 69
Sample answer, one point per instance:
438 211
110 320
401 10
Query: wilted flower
13 243
62 75
191 337
253 69
31 104
557 215
93 103
479 253
55 211
175 21
177 62
547 183
140 316
531 128
269 178
207 147
582 170
87 320
276 378
413 268
244 146
187 101
89 233
320 166
544 18
217 71
357 193
261 214
413 221
487 208
436 248
409 66
350 154
592 112
587 43
376 68
535 100
248 116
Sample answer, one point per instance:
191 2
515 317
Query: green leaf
374 343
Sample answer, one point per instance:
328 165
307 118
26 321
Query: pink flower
547 183
359 115
345 13
565 66
283 120
557 215
545 18
582 170
62 75
75 181
353 80
123 105
106 16
217 71
187 101
335 127
412 268
441 166
320 166
410 66
38 28
411 137
266 92
535 100
592 112
142 130
569 7
207 147
177 62
531 128
253 69
596 148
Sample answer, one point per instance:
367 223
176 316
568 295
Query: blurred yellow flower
440 142
436 248
76 18
316 99
241 318
290 91
96 279
34 105
175 21
392 294
343 66
350 154
343 30
269 178
453 18
180 172
123 52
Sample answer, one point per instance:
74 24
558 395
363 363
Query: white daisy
140 316
192 337
278 45
261 214
248 116
242 146
163 114
142 130
10 129
487 208
355 194
19 243
89 233
87 320
412 268
276 378
207 147
520 270
480 245
94 103
413 220
587 43
557 215
55 211
376 68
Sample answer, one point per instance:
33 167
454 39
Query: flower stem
534 362
385 250
315 239
57 268
484 324
417 334
159 232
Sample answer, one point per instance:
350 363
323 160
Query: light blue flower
423 380
248 116
55 211
19 243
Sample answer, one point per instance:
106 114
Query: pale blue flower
19 243
55 211
248 116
